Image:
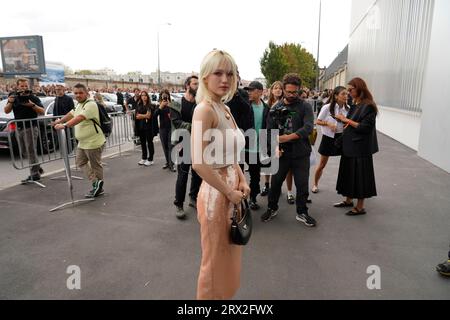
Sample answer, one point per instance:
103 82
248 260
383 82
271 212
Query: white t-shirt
325 115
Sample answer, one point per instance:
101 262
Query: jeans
146 138
300 169
254 169
181 185
28 139
164 135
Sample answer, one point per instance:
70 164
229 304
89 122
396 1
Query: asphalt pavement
129 245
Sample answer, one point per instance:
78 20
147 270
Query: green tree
287 58
273 63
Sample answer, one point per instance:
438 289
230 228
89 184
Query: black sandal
357 213
343 204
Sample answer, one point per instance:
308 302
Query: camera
22 95
280 115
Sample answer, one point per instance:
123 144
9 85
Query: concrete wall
434 144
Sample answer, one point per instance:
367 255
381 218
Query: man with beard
181 118
296 117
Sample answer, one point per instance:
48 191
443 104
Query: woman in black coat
356 178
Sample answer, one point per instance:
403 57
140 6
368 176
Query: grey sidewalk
129 244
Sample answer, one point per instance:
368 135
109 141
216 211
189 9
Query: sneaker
180 214
309 201
291 199
444 268
148 163
269 215
265 191
141 163
98 188
35 177
315 189
306 219
166 166
193 203
90 194
172 169
254 205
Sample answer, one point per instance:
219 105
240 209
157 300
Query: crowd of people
215 103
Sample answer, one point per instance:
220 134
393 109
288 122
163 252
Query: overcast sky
94 34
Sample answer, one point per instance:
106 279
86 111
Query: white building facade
400 48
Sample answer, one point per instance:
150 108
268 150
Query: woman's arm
201 122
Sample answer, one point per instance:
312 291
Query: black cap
254 85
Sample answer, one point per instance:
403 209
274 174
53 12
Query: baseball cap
254 85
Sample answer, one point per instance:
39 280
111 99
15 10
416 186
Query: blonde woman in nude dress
216 145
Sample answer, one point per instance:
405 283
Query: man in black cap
258 114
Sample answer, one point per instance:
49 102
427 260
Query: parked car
111 102
111 106
44 146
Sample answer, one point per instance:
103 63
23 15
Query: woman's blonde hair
210 64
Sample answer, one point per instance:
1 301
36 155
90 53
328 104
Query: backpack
105 121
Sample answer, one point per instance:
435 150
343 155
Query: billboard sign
54 74
22 55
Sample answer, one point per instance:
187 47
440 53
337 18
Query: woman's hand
235 196
341 118
244 188
332 126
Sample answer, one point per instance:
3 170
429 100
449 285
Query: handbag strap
244 206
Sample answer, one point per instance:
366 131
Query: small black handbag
241 230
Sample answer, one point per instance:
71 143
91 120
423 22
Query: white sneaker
141 163
148 163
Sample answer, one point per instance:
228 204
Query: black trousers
300 169
146 138
254 170
164 135
181 186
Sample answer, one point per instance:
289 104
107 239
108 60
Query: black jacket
63 105
241 110
361 141
120 98
302 117
145 124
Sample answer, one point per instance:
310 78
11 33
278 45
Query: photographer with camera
26 105
295 120
165 127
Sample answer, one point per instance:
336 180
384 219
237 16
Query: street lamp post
318 46
157 37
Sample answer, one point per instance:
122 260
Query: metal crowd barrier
65 156
122 131
36 140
